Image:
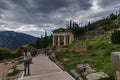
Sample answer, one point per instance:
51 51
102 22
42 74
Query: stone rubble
96 76
10 71
87 72
66 59
75 74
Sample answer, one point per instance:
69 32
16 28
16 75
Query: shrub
5 53
115 38
107 53
18 52
93 55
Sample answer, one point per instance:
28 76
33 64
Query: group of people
44 51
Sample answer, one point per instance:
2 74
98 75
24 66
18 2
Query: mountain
13 40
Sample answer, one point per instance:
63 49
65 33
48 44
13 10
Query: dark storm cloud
43 6
3 5
50 13
21 2
40 11
84 4
47 6
108 3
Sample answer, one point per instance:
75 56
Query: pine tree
113 17
45 39
89 26
70 24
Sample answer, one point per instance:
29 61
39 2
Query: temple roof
62 30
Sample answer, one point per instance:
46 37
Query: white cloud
95 7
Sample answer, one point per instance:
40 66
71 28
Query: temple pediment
61 30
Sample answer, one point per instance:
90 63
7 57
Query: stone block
116 60
96 76
88 71
66 59
117 75
82 67
11 71
20 67
74 73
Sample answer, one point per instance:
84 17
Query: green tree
113 16
42 42
115 38
76 29
5 53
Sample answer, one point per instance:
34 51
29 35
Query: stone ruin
85 71
116 64
76 48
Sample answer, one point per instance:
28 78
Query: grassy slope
98 56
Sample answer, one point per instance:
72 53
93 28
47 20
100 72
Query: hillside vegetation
5 53
98 55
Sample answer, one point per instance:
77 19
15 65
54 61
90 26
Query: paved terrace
44 69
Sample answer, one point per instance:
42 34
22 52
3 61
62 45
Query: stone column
70 39
58 40
116 64
53 40
64 40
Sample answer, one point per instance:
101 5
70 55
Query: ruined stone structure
62 36
116 64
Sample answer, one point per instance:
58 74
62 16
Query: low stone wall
79 48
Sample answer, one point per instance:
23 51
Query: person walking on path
46 51
26 57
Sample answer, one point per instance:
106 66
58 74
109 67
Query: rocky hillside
13 40
97 55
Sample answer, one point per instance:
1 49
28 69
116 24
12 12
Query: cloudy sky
37 16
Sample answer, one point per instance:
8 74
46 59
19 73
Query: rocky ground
4 67
7 67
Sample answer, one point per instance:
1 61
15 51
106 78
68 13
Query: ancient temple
62 36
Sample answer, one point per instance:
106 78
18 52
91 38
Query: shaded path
44 69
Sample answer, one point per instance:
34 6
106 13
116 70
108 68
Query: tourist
34 52
46 51
26 57
43 51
